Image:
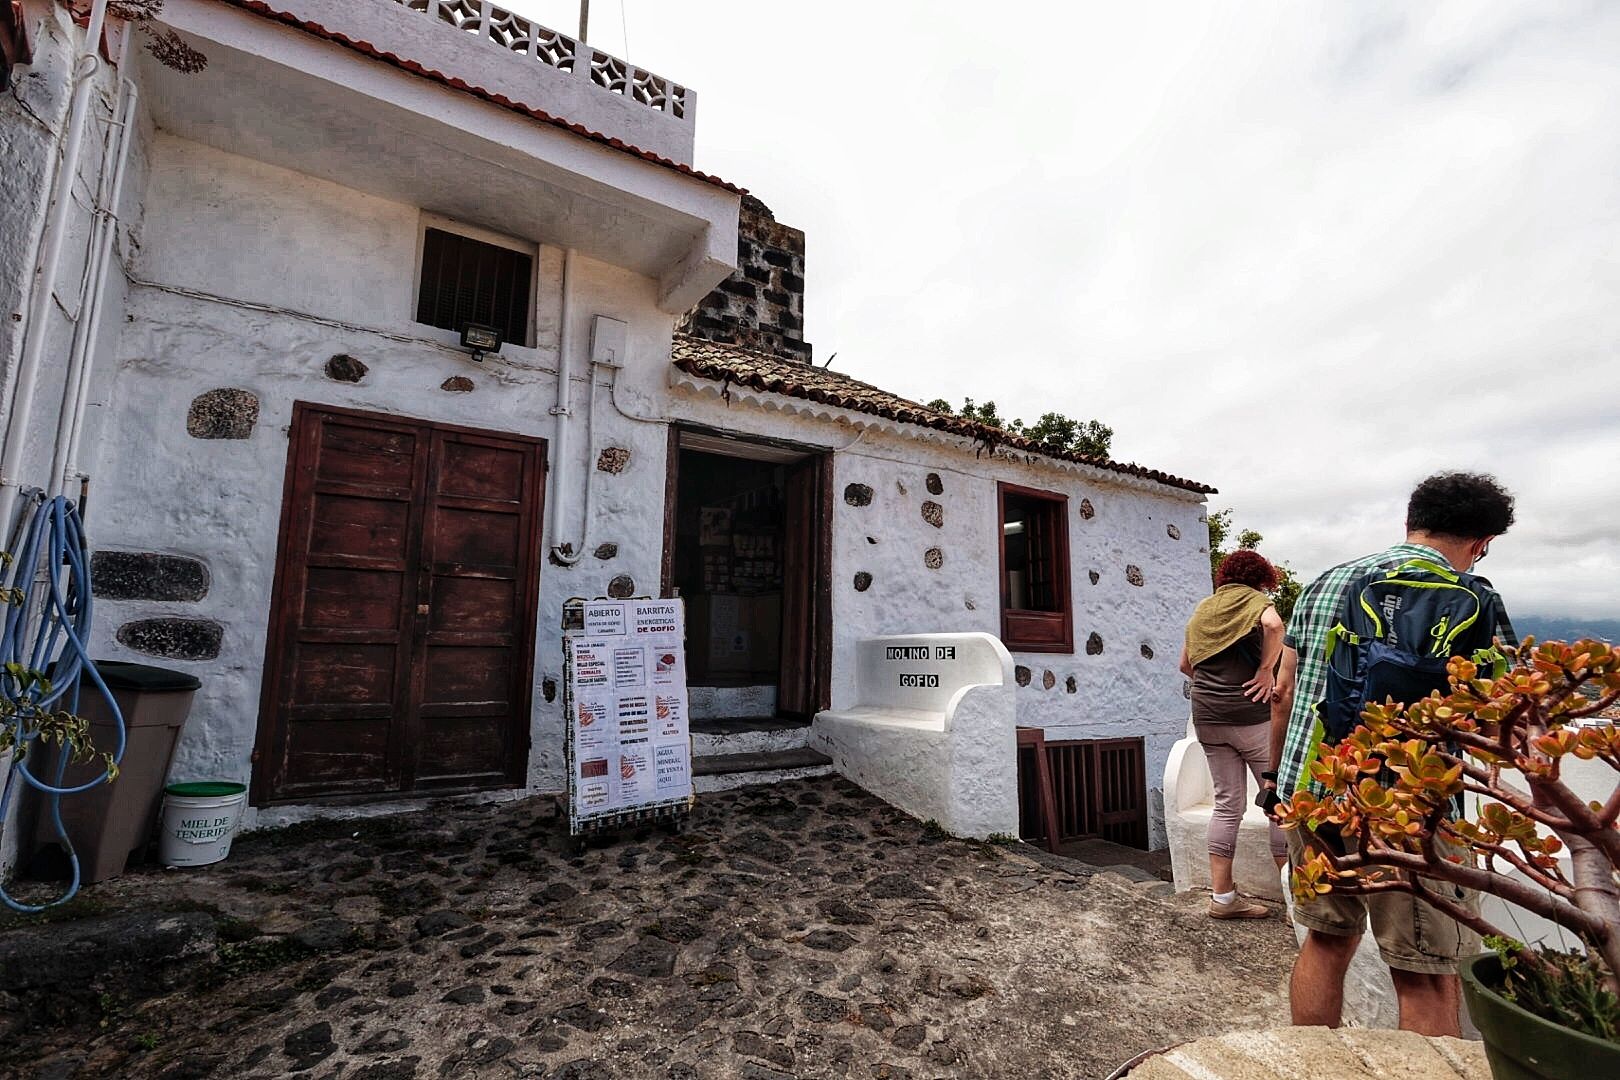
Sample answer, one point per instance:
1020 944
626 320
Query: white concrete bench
1189 800
933 730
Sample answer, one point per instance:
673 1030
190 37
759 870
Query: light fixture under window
481 340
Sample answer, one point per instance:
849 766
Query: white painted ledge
945 752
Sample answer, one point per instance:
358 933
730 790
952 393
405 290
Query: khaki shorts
1411 935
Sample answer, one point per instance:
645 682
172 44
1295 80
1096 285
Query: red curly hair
1249 568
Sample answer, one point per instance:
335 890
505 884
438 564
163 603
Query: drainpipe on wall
52 241
558 490
76 391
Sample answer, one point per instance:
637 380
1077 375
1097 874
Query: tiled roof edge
264 10
905 411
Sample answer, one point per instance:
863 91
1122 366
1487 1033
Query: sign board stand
628 740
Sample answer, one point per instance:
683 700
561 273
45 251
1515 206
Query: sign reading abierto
630 746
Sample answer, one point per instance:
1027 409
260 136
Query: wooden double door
402 624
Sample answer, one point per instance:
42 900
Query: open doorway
746 547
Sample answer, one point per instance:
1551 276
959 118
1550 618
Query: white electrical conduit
558 493
564 553
54 238
76 391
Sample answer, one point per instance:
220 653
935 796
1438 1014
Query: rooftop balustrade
525 37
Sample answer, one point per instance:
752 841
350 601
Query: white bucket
198 822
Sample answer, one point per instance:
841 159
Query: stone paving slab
804 929
1345 1054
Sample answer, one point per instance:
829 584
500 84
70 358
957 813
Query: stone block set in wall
761 305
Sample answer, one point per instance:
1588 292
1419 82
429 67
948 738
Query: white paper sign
632 743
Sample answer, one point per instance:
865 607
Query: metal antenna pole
584 18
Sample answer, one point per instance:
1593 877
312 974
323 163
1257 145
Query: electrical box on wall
607 341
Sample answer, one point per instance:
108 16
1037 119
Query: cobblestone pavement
800 930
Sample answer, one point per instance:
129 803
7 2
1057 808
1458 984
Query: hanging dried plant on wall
168 48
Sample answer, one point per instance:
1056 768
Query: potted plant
1497 744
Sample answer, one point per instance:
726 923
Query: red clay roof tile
731 364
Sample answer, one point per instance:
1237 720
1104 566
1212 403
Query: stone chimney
761 305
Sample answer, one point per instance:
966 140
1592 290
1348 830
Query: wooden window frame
1024 630
483 236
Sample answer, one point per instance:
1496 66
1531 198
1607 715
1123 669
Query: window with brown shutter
470 281
1036 604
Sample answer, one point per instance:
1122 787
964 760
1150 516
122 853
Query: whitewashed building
305 489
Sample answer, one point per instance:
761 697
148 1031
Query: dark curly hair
1463 506
1249 568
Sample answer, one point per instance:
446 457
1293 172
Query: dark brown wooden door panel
402 636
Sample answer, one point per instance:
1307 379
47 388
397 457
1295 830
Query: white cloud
1305 251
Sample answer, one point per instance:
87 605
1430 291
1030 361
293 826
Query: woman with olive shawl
1234 640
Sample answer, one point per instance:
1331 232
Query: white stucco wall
33 121
1119 692
250 234
251 276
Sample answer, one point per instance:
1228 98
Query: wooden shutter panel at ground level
1099 788
402 623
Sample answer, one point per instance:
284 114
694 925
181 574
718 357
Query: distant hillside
1555 628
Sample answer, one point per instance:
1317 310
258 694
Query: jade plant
24 723
1396 785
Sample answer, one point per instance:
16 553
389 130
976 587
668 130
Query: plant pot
1521 1045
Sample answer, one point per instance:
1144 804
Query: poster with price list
629 744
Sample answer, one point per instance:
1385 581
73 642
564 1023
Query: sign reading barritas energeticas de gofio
632 746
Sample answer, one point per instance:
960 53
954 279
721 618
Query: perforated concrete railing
526 37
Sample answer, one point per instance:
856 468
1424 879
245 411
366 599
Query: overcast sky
1305 252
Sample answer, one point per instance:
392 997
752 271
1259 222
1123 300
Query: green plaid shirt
1318 608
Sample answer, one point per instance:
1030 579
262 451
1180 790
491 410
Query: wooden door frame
278 628
822 670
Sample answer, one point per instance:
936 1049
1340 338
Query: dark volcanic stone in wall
345 368
1094 644
1087 511
1022 675
1147 651
1173 532
173 639
761 306
457 384
226 413
935 485
622 587
863 581
1048 679
858 495
612 459
606 551
548 688
933 558
1094 576
1133 574
1071 684
934 514
145 575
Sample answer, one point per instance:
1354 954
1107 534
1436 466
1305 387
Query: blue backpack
1396 633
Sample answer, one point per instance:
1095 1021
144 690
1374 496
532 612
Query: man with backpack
1383 627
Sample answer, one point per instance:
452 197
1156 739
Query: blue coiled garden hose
53 639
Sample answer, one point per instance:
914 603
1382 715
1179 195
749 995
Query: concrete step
722 772
750 735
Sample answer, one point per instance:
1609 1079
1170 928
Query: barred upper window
470 281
